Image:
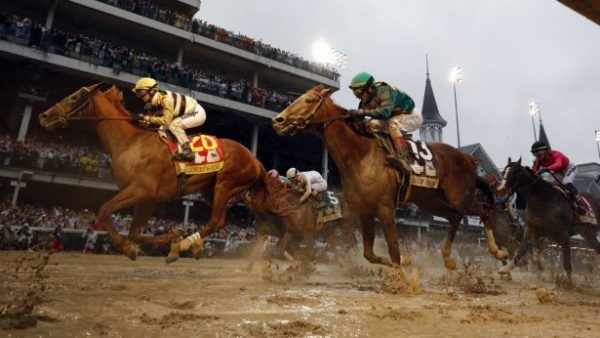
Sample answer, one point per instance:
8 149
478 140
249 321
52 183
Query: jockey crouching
179 112
554 167
311 182
381 102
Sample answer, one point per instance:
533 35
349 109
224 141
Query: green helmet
361 80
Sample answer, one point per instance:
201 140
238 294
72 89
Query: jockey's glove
356 113
542 170
138 117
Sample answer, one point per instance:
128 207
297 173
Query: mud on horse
143 169
279 212
549 213
370 186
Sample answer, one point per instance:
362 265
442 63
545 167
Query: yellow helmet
144 83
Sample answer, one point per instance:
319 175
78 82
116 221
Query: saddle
208 151
589 216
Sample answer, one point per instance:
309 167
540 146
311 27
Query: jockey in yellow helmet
178 112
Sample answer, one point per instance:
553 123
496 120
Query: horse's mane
115 96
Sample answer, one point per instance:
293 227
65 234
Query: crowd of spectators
151 10
61 219
119 58
40 153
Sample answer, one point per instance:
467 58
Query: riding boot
186 153
574 196
400 160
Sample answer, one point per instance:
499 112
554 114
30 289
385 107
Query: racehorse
279 211
370 187
144 172
548 214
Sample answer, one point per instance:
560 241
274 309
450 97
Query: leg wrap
186 243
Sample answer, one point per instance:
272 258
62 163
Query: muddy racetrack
80 295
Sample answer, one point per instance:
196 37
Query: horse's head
75 104
514 177
306 110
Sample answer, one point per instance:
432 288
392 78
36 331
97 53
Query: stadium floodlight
534 108
456 75
324 54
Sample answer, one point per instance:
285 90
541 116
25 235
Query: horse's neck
536 188
116 135
345 146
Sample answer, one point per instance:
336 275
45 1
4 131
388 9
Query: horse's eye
308 100
74 98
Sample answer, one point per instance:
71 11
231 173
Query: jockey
554 167
310 181
380 101
179 112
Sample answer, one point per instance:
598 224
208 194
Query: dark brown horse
279 212
144 172
370 187
548 214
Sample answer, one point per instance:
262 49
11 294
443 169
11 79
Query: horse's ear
509 160
519 161
327 91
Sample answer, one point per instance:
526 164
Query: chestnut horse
144 172
370 187
548 214
279 212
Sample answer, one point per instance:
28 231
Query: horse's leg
526 245
390 232
141 214
127 197
223 192
566 256
589 233
491 243
454 221
368 236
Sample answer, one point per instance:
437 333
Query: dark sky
512 52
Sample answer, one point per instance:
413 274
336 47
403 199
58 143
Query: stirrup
183 157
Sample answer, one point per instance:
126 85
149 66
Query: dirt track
99 295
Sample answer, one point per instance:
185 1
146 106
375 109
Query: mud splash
471 279
24 288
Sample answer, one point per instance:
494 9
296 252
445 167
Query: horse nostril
279 120
44 116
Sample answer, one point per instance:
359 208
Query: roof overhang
588 8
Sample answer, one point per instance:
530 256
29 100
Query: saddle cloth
328 208
423 165
208 151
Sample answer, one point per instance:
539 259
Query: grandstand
50 48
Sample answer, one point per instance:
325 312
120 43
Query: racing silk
313 183
556 162
172 105
387 101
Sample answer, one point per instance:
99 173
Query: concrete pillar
180 56
254 144
51 12
419 233
186 216
25 121
255 80
325 162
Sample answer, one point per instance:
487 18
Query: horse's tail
485 189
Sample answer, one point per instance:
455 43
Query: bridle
77 112
512 190
325 122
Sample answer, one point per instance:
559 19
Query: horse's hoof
197 251
131 251
405 260
507 268
171 258
450 263
501 255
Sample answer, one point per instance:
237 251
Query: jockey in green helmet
381 102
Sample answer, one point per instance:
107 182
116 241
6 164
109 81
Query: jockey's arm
307 188
386 106
168 112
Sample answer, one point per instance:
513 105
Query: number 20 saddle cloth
208 154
